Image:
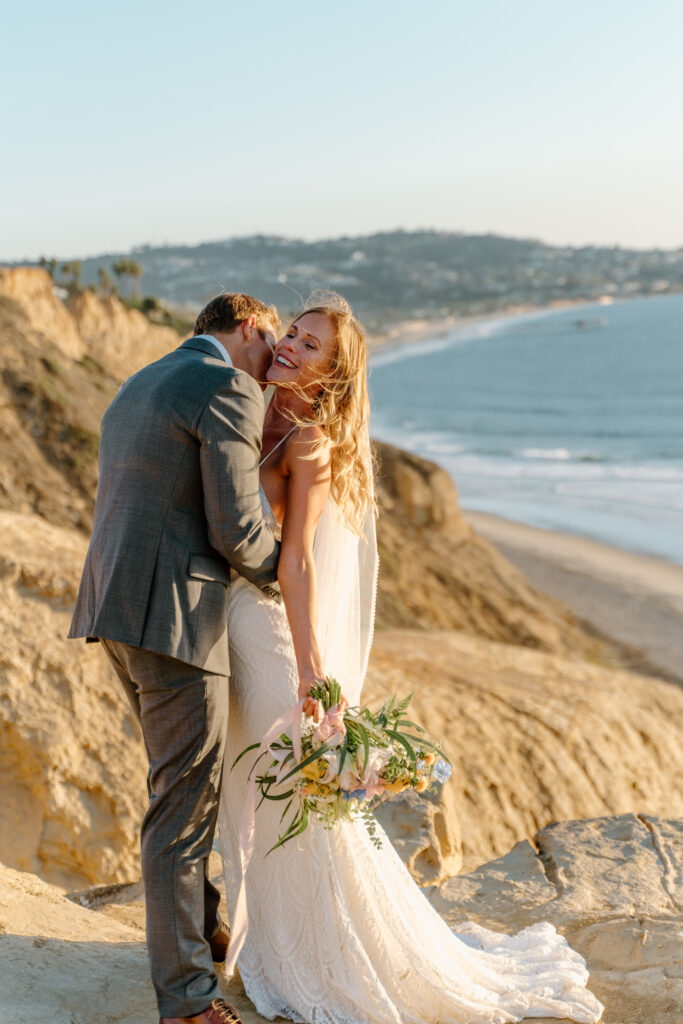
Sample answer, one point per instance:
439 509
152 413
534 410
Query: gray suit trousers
183 712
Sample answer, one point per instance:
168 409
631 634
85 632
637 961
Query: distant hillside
398 275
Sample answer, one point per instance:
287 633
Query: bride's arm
308 485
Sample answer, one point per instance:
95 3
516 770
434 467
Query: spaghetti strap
275 447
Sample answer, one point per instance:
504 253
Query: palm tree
135 271
73 267
50 265
120 268
106 283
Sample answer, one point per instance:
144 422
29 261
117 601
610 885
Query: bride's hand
312 708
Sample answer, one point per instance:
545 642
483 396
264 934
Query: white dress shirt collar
221 348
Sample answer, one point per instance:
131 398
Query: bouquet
342 765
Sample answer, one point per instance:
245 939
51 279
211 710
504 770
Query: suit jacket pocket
203 568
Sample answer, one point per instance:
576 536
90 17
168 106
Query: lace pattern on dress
339 933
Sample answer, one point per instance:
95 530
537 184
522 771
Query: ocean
570 420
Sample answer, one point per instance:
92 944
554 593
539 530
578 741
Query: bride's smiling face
305 354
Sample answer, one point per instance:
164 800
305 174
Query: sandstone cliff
535 734
436 572
59 370
72 773
122 340
533 738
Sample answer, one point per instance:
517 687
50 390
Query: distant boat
582 324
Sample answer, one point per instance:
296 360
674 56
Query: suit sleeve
229 432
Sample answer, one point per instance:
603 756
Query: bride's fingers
310 707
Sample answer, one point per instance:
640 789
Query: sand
635 599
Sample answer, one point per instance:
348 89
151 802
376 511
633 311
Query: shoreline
409 332
634 599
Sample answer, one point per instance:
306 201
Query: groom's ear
247 327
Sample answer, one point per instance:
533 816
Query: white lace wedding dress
339 933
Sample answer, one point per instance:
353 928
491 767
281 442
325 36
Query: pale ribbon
240 922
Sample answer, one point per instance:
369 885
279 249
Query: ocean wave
545 453
558 454
558 468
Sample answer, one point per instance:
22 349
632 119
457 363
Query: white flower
332 766
348 780
377 758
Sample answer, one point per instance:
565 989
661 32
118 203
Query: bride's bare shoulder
304 444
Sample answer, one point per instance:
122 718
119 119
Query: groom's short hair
229 310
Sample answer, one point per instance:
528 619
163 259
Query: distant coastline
409 332
508 451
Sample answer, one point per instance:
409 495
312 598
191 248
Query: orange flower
397 786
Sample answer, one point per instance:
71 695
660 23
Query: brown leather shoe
219 942
217 1013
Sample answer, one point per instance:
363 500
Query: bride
339 933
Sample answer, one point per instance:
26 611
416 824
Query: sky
150 123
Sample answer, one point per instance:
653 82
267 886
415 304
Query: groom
177 505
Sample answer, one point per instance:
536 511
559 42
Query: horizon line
142 247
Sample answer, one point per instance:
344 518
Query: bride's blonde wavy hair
342 410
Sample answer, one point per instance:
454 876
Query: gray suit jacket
177 504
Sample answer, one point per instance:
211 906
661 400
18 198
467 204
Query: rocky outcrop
32 289
59 370
62 963
72 767
533 738
437 573
122 340
612 886
425 831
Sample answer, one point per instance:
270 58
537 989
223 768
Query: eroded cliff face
122 340
72 767
437 573
533 737
505 676
32 289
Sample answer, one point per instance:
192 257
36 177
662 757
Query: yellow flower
397 786
315 770
422 785
429 758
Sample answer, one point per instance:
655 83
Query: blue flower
442 771
355 794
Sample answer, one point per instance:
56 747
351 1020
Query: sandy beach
635 599
408 332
